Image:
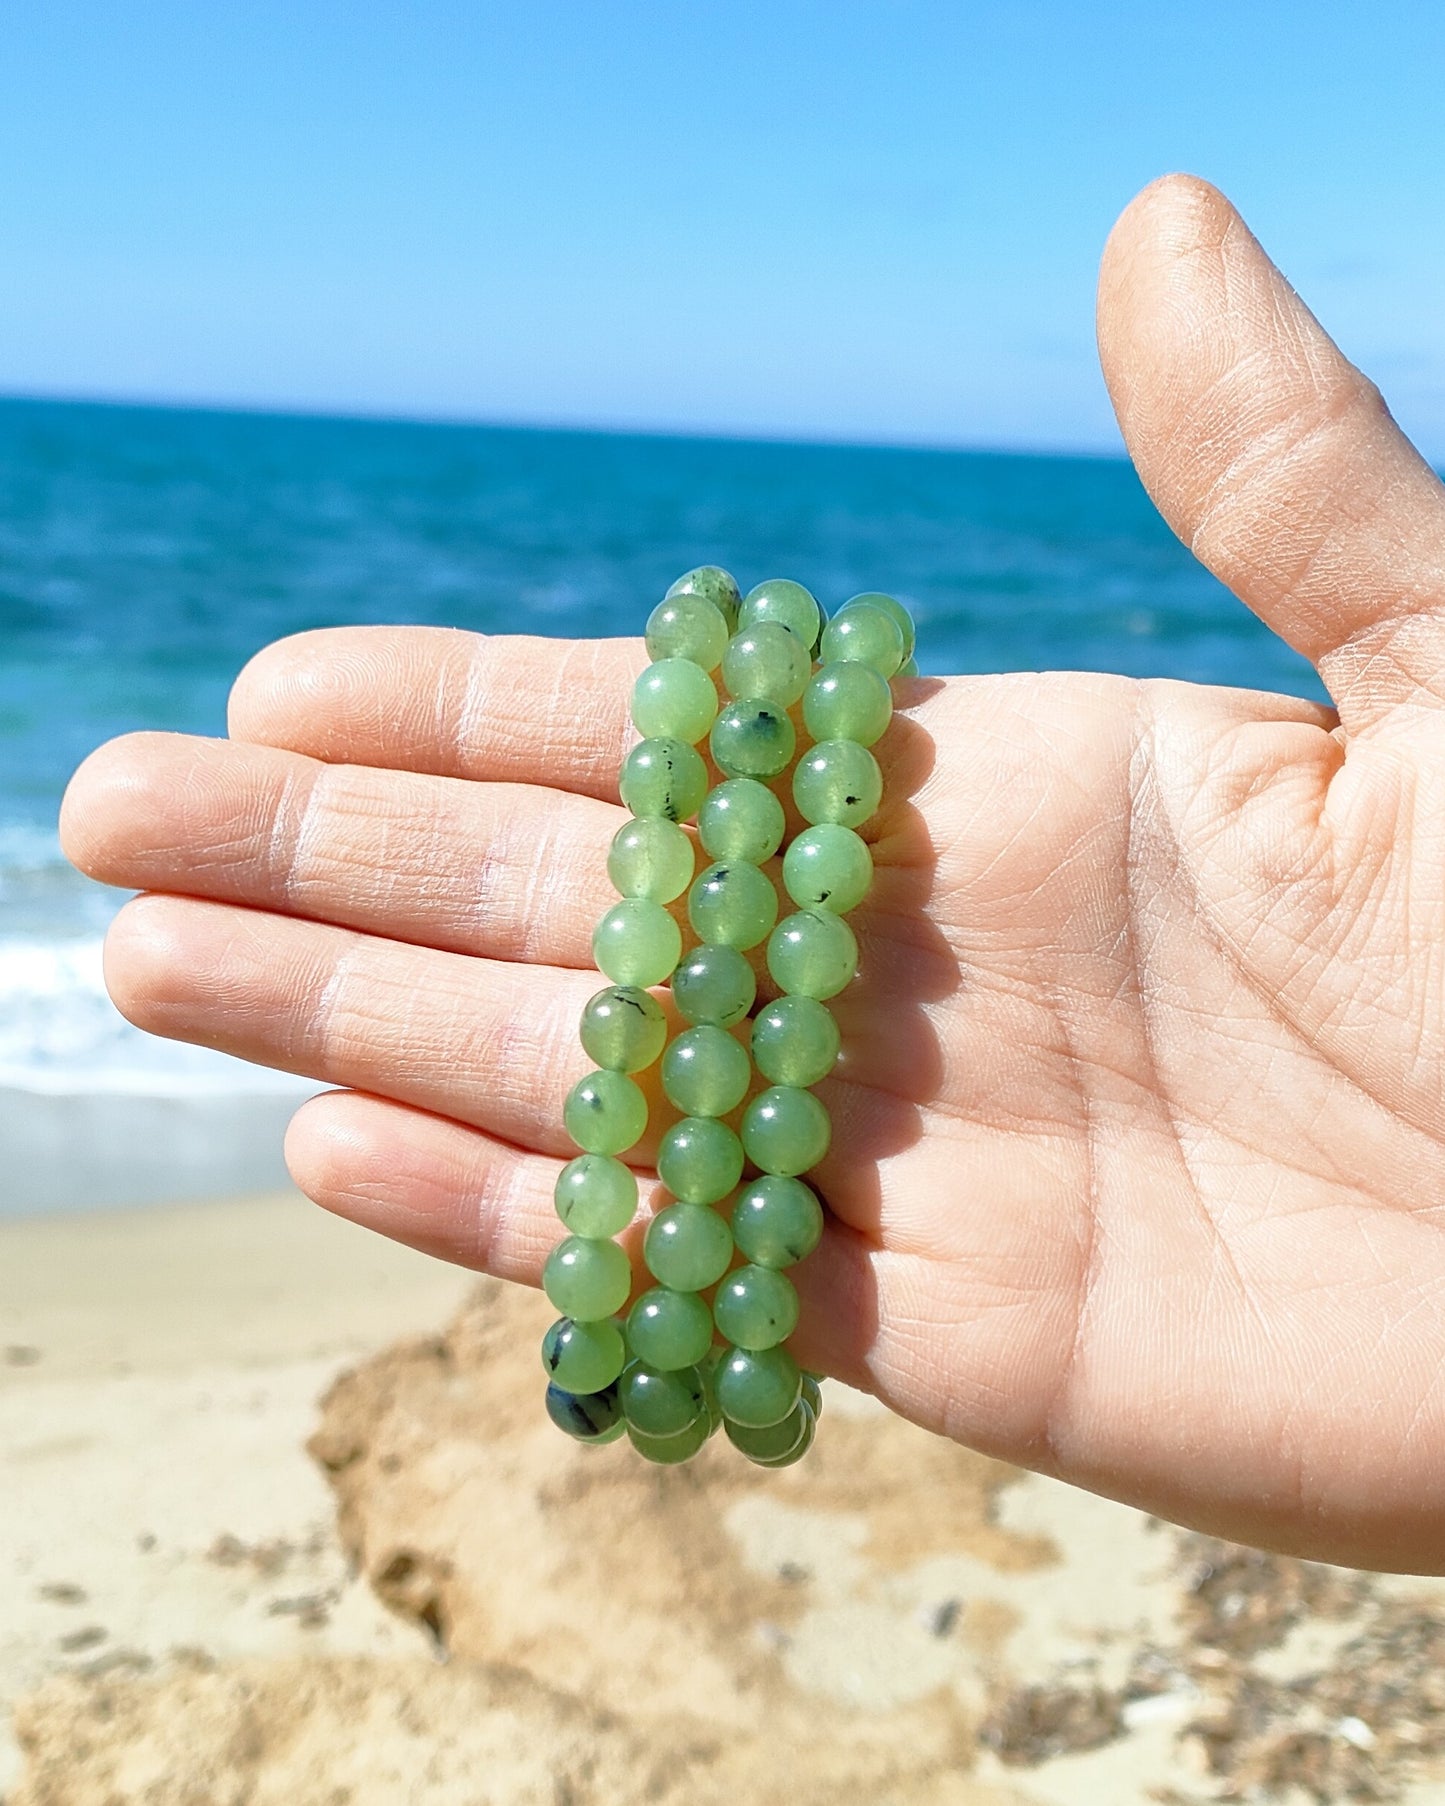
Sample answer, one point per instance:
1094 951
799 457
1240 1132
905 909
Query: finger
461 705
1269 454
505 870
489 1042
466 1197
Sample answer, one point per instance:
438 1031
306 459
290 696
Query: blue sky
876 222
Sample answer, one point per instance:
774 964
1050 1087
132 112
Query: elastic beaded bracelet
661 1381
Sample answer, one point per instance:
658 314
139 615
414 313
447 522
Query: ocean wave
61 1034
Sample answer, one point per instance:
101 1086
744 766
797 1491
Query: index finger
506 708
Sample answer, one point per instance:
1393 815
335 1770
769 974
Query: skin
1139 1150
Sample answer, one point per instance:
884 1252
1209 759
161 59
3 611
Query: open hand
1138 1172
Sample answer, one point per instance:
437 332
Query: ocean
146 553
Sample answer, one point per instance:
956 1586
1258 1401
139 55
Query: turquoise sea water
146 553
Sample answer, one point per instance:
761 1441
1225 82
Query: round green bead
752 739
660 1402
866 634
777 1221
812 954
767 660
687 626
663 777
847 702
801 1447
705 1072
594 1417
605 1113
891 606
596 1195
715 585
732 904
700 1160
669 1329
837 781
651 857
687 1247
813 1394
741 819
757 1387
587 1280
909 668
671 1451
583 1357
623 1028
674 698
755 1307
786 1130
777 1441
715 985
637 943
795 1041
788 603
828 867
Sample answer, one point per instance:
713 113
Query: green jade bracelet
660 1377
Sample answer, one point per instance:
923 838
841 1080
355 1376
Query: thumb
1272 457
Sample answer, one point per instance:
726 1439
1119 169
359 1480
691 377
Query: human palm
1138 1165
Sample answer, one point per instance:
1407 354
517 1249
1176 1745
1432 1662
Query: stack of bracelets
706 1346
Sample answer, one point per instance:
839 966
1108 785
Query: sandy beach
281 1521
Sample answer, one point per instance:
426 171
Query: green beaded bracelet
705 1347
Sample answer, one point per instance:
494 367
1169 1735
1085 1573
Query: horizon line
576 428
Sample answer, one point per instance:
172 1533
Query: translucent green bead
909 668
605 1113
774 1442
788 603
786 1130
596 1195
588 1417
674 698
837 781
795 1041
663 777
732 904
777 1221
891 606
587 1280
715 585
755 1307
799 1449
583 1357
847 702
812 954
828 867
708 1369
715 985
670 1451
690 627
813 1393
705 1072
700 1160
867 635
767 660
637 943
752 739
661 1403
741 819
651 857
687 1247
757 1387
623 1028
668 1329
